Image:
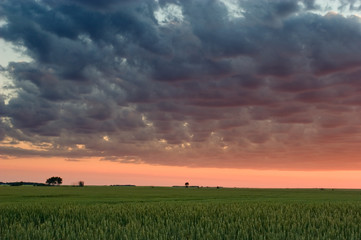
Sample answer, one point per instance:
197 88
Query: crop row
179 220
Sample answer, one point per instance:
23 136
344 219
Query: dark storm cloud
201 87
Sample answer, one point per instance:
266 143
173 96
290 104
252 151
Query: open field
28 212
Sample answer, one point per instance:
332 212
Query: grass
91 212
106 194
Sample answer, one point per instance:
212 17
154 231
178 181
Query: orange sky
94 172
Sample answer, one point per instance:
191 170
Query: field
95 212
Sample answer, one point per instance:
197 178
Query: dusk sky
246 93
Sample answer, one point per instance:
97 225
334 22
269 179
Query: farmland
96 212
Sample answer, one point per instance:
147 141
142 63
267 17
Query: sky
238 93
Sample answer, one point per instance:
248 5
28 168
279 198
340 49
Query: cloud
183 82
123 159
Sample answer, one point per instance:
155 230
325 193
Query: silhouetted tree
186 184
54 180
81 184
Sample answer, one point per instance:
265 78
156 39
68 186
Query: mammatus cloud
244 84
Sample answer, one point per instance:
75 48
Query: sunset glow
106 173
232 93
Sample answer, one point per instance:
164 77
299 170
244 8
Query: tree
186 184
81 184
54 180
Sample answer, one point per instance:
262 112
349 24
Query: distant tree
17 183
54 181
81 184
186 184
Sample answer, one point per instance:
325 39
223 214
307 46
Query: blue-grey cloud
263 89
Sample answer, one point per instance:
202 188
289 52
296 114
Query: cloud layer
244 84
